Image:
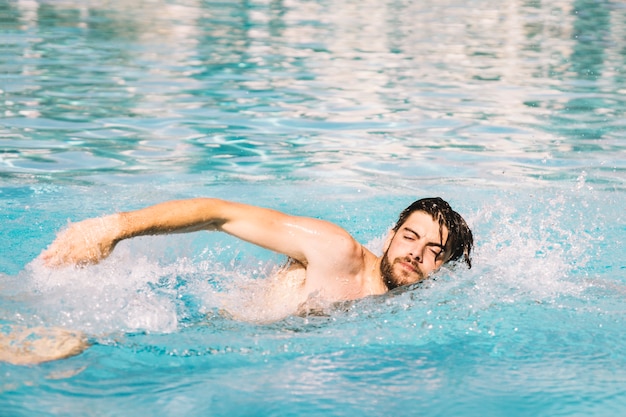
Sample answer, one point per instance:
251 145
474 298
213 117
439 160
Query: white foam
123 293
520 256
525 253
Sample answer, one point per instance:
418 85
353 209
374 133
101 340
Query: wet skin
414 252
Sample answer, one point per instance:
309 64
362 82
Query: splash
121 294
529 252
526 253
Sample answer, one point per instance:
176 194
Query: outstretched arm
301 238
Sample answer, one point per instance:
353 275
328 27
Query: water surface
346 111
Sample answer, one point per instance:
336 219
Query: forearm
178 216
92 240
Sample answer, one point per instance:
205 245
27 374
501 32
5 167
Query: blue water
343 110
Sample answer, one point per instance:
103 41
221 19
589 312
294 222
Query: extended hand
83 243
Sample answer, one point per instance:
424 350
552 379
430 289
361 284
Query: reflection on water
512 109
273 89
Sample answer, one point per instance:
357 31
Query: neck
376 282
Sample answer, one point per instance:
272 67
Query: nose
417 253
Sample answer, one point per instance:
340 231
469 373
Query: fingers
58 256
72 247
51 256
81 244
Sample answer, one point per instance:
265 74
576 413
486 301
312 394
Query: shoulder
337 250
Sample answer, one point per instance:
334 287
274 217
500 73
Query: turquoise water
343 110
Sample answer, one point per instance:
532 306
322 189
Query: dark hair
460 240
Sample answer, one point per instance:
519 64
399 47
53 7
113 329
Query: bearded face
399 271
414 251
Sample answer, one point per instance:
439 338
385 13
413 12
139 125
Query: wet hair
460 240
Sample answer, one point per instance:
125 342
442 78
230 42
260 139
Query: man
325 261
333 264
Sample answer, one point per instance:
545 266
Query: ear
388 240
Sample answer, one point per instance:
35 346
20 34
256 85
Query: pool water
343 110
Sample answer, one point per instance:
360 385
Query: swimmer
334 265
326 262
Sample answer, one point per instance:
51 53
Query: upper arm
305 239
308 240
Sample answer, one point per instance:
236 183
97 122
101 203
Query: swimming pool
340 110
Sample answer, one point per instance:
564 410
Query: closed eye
437 251
410 234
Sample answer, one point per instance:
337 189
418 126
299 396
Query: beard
390 277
